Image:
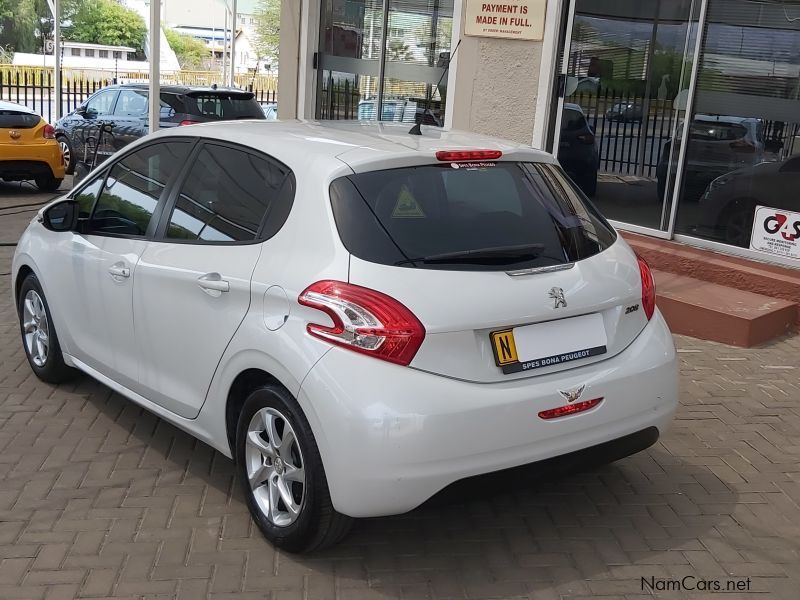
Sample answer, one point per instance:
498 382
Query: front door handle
213 284
119 270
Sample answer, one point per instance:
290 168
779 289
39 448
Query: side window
87 196
227 194
101 102
133 188
131 103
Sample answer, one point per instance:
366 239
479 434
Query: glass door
626 70
741 167
384 60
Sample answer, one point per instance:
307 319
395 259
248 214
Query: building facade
681 119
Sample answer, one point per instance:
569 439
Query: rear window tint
222 106
12 119
717 132
499 216
572 120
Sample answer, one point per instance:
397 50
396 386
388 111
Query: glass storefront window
384 60
744 136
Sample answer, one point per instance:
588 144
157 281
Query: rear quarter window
12 119
223 106
500 216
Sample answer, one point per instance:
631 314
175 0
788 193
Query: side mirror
81 110
62 216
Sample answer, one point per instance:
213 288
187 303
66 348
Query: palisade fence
635 146
34 86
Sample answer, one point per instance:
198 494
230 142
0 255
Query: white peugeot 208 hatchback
358 316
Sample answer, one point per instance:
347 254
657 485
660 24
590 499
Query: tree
267 30
190 51
105 22
22 23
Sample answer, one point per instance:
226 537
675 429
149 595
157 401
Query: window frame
183 173
155 219
113 91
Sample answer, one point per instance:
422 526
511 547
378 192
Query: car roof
179 89
18 107
361 145
571 106
725 119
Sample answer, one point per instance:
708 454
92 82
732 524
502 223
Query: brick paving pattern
100 499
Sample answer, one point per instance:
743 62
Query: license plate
547 344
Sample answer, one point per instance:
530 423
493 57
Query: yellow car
28 148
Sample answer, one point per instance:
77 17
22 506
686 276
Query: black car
577 149
126 108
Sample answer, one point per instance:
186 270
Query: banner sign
513 19
776 232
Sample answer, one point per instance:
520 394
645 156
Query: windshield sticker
407 206
473 165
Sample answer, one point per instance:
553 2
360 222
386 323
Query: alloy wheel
65 151
36 328
274 467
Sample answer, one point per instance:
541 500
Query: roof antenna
417 128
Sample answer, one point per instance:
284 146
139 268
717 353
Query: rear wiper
520 252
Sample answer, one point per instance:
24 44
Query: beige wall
496 87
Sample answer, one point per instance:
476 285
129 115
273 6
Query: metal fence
34 86
634 145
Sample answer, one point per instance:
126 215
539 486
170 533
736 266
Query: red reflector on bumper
569 409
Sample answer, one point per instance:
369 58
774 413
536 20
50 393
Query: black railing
39 94
632 143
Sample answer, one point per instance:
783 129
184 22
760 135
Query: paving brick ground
99 499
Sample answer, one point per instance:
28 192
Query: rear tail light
586 138
364 321
459 155
49 132
186 122
569 409
648 288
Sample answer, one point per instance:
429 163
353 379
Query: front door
192 287
100 262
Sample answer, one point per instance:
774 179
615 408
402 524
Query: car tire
274 440
68 152
48 183
39 338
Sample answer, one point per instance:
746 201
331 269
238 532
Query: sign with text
776 231
514 19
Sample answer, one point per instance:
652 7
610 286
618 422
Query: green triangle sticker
407 206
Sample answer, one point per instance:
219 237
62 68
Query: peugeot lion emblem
557 294
572 395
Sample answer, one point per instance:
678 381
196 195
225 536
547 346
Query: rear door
130 117
192 286
490 248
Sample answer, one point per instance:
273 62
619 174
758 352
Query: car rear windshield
223 106
717 132
14 119
486 216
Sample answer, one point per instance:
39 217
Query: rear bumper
391 437
29 161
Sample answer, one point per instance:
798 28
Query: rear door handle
119 270
213 284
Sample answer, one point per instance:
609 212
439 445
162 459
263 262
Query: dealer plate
547 344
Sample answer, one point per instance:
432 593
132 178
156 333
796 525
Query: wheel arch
244 383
